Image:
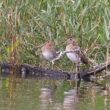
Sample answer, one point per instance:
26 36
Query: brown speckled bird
77 56
49 52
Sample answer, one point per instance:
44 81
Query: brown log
30 71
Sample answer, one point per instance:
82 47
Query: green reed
32 22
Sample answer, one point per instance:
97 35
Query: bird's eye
70 39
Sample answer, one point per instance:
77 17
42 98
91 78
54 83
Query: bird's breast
73 57
48 55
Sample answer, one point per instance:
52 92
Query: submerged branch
29 71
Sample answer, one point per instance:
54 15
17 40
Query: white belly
48 55
73 57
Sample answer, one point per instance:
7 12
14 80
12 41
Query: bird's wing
81 55
54 51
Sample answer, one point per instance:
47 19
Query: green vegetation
26 24
24 27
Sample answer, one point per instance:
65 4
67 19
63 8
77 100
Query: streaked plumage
77 56
48 51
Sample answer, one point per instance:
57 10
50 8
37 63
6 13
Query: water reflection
70 100
47 102
46 98
106 97
17 94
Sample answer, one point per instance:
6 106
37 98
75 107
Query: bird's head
49 44
72 40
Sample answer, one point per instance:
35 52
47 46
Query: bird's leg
77 68
76 75
78 80
52 62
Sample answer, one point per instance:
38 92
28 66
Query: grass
26 24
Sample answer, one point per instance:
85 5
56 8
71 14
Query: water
31 94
